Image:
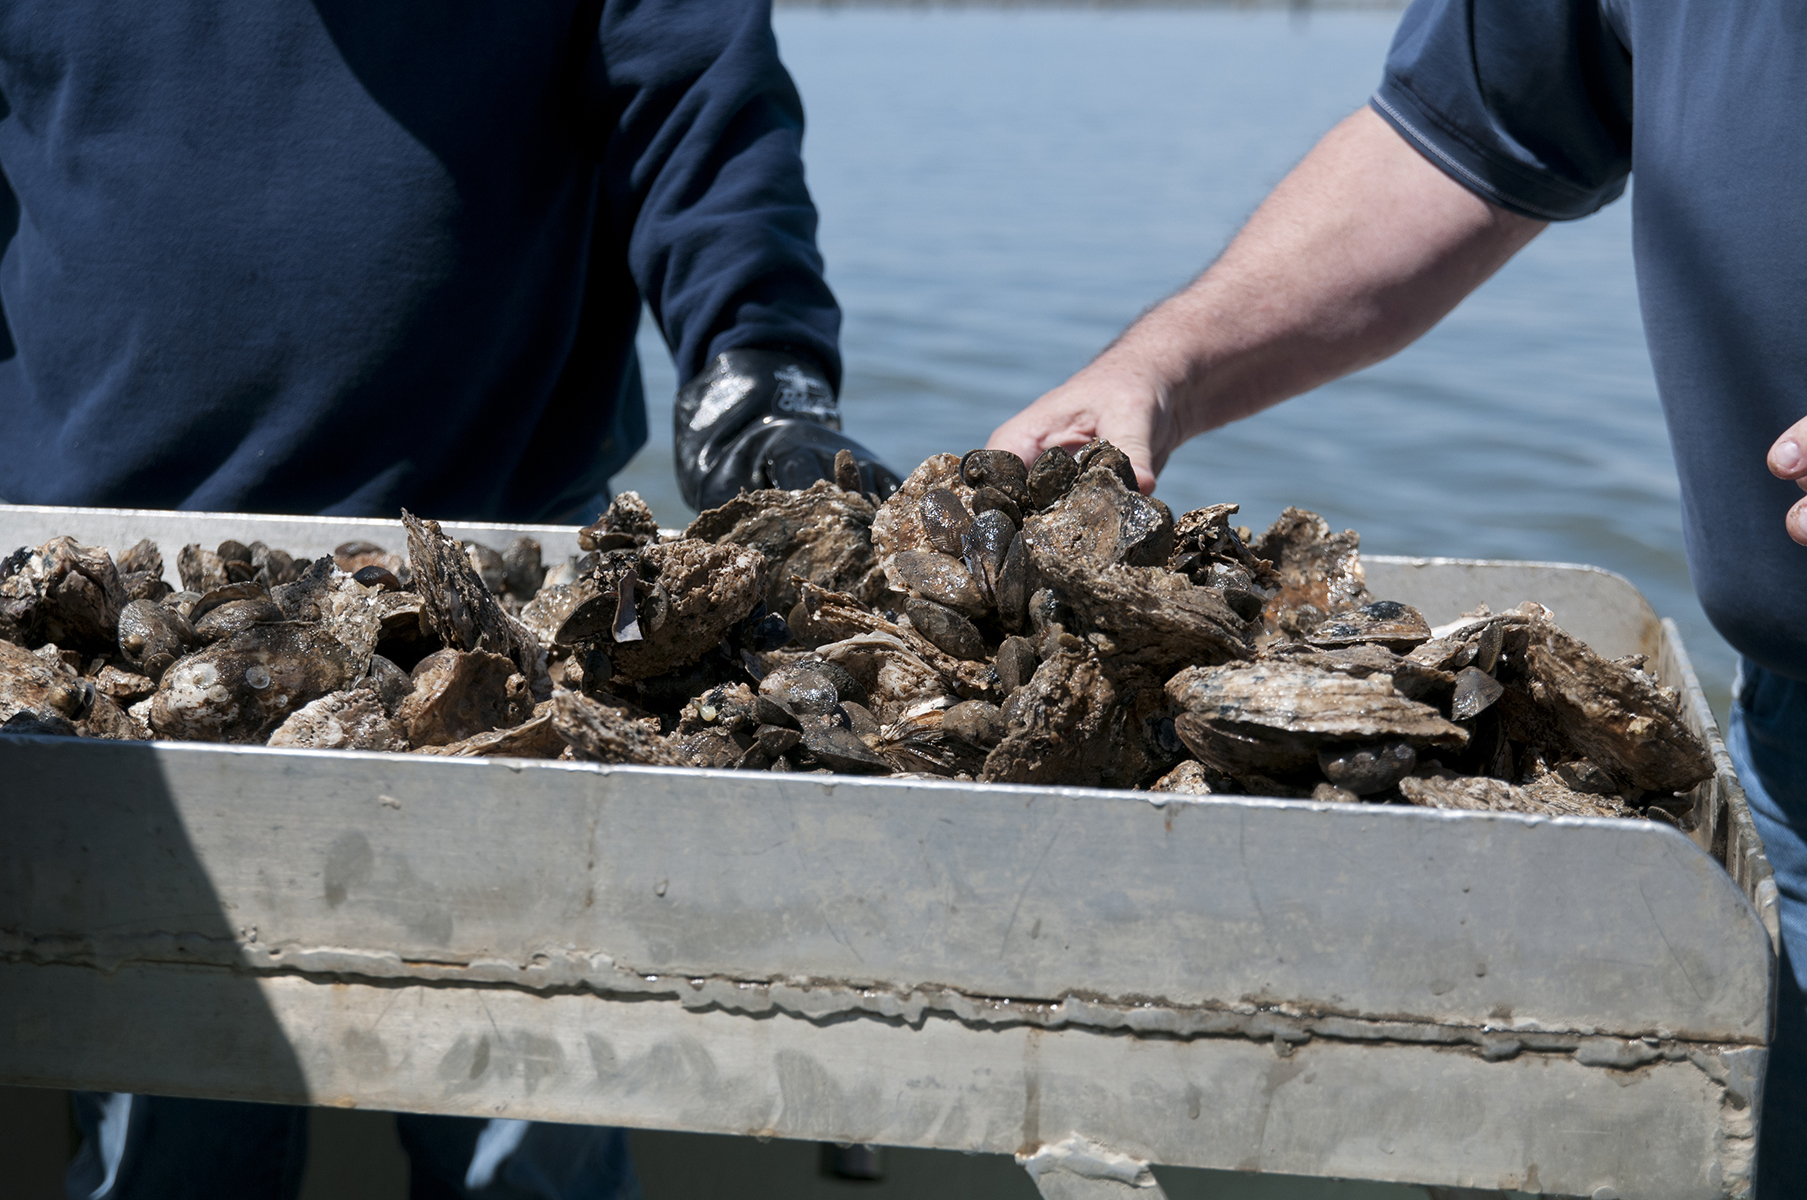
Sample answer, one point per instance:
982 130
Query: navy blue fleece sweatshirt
342 256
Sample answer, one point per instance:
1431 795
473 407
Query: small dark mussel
945 519
1016 663
943 579
235 616
989 499
802 690
377 577
947 629
985 546
1052 476
237 557
760 631
1102 454
224 611
998 470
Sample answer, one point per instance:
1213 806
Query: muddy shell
458 694
61 592
240 689
349 720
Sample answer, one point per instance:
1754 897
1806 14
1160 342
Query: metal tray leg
1077 1168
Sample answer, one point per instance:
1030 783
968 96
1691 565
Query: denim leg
469 1158
1767 739
165 1148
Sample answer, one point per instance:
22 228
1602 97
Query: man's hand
1119 404
763 419
1788 460
1363 247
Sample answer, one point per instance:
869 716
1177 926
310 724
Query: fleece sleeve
700 130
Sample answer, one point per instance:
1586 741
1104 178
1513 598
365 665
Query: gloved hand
762 419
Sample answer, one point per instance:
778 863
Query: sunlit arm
1358 251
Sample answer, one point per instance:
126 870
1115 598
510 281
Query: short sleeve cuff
1493 177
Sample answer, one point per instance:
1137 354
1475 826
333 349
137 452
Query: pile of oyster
989 621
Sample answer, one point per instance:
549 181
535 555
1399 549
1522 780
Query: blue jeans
163 1148
1767 739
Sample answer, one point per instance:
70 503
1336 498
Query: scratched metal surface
1367 992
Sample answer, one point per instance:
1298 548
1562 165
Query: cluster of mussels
988 621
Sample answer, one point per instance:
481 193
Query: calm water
1001 191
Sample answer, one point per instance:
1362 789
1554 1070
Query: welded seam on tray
835 1001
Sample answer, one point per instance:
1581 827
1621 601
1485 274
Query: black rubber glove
762 419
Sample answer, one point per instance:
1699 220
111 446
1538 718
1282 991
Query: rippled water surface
1001 191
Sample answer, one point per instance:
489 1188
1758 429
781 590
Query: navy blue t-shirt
1544 107
341 256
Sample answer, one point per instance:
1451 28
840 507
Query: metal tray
1092 980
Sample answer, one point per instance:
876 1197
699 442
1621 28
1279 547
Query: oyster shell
1272 718
822 534
240 689
712 588
201 570
927 743
523 568
536 737
1398 627
348 720
152 636
459 694
627 523
124 688
1316 573
461 610
1192 778
1613 714
60 592
142 557
1445 789
894 676
1102 521
52 695
1075 722
596 732
900 527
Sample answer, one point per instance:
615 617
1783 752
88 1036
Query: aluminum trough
1092 980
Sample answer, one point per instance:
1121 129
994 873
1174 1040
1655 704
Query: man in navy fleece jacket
337 257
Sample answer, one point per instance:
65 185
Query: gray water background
1001 191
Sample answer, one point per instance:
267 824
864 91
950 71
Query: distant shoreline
1298 7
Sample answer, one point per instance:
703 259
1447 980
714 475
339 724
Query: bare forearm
1362 248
